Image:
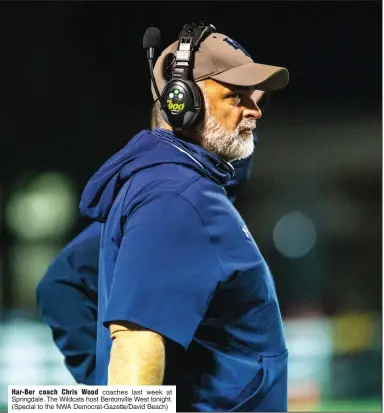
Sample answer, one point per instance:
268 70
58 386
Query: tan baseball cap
221 58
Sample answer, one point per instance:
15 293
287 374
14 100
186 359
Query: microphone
151 40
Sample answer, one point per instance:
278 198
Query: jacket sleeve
166 270
67 301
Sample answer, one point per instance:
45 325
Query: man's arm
137 356
67 300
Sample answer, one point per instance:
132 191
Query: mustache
247 124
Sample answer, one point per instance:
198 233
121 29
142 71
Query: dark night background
75 88
76 83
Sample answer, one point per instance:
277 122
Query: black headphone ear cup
197 94
184 103
165 112
198 102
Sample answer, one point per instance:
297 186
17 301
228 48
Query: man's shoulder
167 181
179 179
150 184
167 177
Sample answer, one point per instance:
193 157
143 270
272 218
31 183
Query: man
185 296
67 293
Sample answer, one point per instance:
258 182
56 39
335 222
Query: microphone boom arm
150 63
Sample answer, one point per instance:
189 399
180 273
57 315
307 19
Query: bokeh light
43 209
294 235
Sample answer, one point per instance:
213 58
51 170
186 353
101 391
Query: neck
189 135
165 126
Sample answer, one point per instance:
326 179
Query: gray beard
229 146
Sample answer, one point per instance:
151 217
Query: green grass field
361 405
370 405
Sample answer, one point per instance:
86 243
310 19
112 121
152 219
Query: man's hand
137 356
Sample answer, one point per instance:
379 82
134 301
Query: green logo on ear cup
175 106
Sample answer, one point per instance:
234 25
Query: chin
244 148
229 146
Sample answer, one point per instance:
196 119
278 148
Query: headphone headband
190 37
182 95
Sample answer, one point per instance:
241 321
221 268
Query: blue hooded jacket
177 258
66 295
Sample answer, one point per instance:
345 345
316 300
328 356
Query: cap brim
264 77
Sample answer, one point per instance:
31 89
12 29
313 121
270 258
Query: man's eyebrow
241 89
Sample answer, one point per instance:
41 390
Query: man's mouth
248 127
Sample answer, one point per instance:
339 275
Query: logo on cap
236 46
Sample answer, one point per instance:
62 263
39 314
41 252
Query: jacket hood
145 150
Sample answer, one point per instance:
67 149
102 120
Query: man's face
230 116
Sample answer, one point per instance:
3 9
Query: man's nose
251 110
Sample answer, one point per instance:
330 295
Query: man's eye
235 96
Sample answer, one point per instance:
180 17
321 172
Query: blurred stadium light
45 208
39 215
294 235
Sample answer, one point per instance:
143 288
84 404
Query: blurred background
75 87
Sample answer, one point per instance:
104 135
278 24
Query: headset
181 99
